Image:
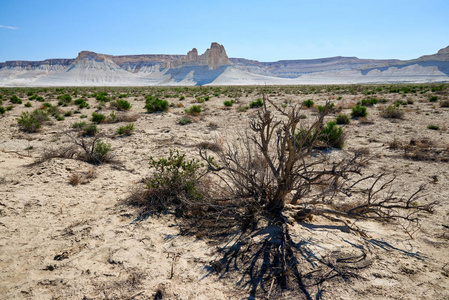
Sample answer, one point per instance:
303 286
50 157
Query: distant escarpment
216 68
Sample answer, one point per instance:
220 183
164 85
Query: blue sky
262 30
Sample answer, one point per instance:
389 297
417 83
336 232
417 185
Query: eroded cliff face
29 65
214 57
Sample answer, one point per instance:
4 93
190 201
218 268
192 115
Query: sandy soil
64 241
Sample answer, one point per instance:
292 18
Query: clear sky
255 29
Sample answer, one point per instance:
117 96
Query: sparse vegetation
256 104
194 110
433 98
342 119
98 118
175 184
184 121
32 122
359 112
308 103
153 104
228 103
392 112
126 129
15 100
121 104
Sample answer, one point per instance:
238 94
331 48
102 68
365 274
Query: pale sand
105 253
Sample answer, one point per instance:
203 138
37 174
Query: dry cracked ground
65 232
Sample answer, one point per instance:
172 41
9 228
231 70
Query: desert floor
60 240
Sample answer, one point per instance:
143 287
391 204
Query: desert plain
67 232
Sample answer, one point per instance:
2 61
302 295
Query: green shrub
2 110
79 125
112 118
101 152
31 122
182 98
392 112
194 110
369 102
153 104
123 96
15 100
174 184
433 98
28 104
126 129
342 119
256 104
433 127
81 103
64 99
98 118
330 107
228 103
9 107
102 97
308 103
68 113
59 117
359 111
332 135
398 103
121 104
184 121
89 130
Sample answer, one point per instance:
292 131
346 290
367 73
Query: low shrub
256 104
2 110
153 104
369 102
308 103
31 122
194 110
342 119
102 97
81 103
64 99
28 104
433 98
89 130
121 104
433 127
184 121
228 103
330 107
126 129
332 135
15 100
175 184
98 118
79 125
392 112
359 111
